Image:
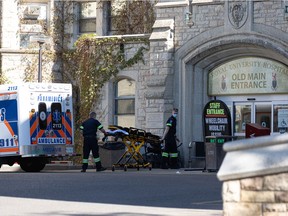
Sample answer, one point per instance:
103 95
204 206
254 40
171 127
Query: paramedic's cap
175 110
92 114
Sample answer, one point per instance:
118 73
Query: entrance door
251 112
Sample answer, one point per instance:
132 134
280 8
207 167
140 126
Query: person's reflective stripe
100 126
85 161
81 127
165 154
173 155
96 160
169 124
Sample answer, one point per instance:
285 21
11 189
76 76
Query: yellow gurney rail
134 139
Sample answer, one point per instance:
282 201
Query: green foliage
133 17
3 79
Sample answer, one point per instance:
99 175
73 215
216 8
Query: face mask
174 115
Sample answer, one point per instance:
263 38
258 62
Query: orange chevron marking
9 149
8 93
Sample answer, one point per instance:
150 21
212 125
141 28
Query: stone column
159 81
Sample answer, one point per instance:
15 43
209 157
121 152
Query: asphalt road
157 190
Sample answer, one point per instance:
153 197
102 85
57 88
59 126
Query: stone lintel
165 35
164 23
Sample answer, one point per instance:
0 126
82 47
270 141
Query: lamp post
40 40
40 61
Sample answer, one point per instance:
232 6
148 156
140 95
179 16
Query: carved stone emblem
238 13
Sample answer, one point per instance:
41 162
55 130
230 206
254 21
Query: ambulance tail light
32 99
67 99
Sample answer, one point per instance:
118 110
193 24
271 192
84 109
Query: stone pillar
159 81
255 177
102 18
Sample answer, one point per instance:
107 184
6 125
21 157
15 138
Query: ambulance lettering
49 98
2 114
8 126
46 140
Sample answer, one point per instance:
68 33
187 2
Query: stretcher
134 139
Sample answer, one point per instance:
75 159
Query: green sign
217 119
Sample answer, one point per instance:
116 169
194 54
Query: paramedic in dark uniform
170 146
89 130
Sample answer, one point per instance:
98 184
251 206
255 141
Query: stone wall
262 196
271 13
254 174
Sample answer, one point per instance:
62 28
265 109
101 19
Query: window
280 117
87 17
42 109
125 103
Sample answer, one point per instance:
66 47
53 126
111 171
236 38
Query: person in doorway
170 143
89 131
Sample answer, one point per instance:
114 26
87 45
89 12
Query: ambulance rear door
51 124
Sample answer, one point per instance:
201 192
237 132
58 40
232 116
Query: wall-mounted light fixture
188 15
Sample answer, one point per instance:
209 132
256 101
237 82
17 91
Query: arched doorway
198 57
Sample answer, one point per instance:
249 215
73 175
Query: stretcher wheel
125 168
113 168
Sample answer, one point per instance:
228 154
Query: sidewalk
64 208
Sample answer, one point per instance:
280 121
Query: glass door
251 112
242 115
263 114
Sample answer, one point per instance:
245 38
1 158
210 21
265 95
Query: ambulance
36 124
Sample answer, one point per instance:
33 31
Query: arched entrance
199 57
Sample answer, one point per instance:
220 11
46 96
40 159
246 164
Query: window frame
124 97
93 19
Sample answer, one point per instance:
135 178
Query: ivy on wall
92 64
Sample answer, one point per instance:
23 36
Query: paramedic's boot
164 163
84 167
174 163
99 167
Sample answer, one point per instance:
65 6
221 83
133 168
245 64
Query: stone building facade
198 51
223 32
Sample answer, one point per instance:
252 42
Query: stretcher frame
134 140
